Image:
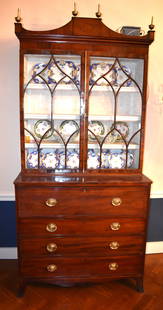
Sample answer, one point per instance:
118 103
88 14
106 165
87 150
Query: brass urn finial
75 12
151 26
18 17
98 13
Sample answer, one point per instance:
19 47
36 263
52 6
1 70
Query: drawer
132 201
81 226
85 266
88 246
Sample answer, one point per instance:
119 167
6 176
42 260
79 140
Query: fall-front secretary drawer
81 226
90 246
85 266
38 201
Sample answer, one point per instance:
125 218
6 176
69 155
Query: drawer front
86 266
70 246
90 226
132 201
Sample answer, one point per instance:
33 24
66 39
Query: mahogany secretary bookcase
81 198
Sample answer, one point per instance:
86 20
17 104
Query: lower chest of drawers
81 234
82 266
85 246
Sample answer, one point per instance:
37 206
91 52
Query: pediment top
82 27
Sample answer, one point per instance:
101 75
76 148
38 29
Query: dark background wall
8 222
155 225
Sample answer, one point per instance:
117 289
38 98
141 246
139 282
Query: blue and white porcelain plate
130 160
117 159
50 160
32 159
123 131
97 128
92 160
63 69
61 156
100 73
72 159
105 159
38 69
67 128
122 75
41 127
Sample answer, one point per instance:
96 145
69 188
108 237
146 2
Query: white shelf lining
127 118
75 146
72 87
30 116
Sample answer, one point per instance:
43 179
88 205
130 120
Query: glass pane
52 111
115 108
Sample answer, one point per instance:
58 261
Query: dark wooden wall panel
155 224
8 222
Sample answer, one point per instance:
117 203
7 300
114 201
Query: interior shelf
125 89
37 86
128 118
116 146
40 86
56 116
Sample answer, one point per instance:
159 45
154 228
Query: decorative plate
97 128
50 160
61 156
64 69
32 160
97 70
130 160
37 68
121 75
105 159
76 74
117 159
92 160
123 131
67 128
41 127
111 138
73 159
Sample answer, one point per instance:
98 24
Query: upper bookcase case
82 99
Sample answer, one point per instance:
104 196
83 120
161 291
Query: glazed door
52 111
115 99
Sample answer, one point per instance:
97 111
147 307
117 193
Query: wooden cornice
84 30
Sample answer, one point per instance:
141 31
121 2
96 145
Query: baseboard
156 195
154 247
8 253
7 197
151 248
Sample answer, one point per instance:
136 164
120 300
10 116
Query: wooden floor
117 295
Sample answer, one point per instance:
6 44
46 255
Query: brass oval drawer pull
51 247
51 268
51 202
115 226
116 201
114 245
51 227
113 266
